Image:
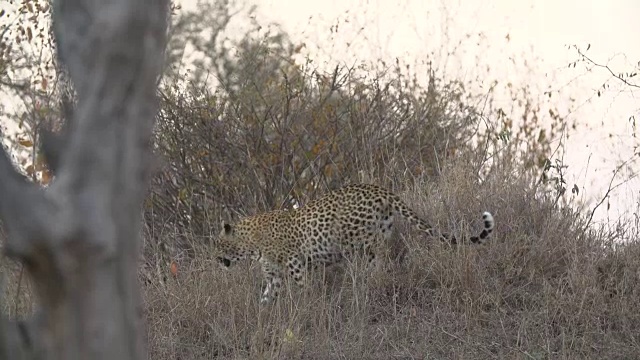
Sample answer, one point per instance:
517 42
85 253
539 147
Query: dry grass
542 288
545 286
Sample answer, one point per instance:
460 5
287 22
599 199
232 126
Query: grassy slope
542 288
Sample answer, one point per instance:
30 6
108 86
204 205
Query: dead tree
79 238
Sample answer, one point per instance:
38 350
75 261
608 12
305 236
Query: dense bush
272 131
251 151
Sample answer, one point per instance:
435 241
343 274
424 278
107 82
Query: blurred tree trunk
79 238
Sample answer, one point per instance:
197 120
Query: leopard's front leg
273 275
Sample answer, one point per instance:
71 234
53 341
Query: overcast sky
510 41
522 41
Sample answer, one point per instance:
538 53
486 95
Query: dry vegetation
543 288
547 285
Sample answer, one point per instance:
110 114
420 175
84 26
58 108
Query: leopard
356 218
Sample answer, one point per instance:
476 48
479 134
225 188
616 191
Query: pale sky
535 53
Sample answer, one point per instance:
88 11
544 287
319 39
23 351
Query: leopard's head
227 248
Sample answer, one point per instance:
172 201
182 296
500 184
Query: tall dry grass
543 287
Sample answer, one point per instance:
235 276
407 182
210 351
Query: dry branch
79 238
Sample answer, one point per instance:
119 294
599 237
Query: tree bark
79 238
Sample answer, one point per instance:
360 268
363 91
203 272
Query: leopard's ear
227 228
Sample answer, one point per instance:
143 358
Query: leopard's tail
399 207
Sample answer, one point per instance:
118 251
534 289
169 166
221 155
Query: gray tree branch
79 238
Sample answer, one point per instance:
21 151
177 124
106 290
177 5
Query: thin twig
610 189
607 68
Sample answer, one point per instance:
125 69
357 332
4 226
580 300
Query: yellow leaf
288 335
182 194
25 142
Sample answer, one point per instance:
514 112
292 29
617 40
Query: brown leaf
25 142
46 177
